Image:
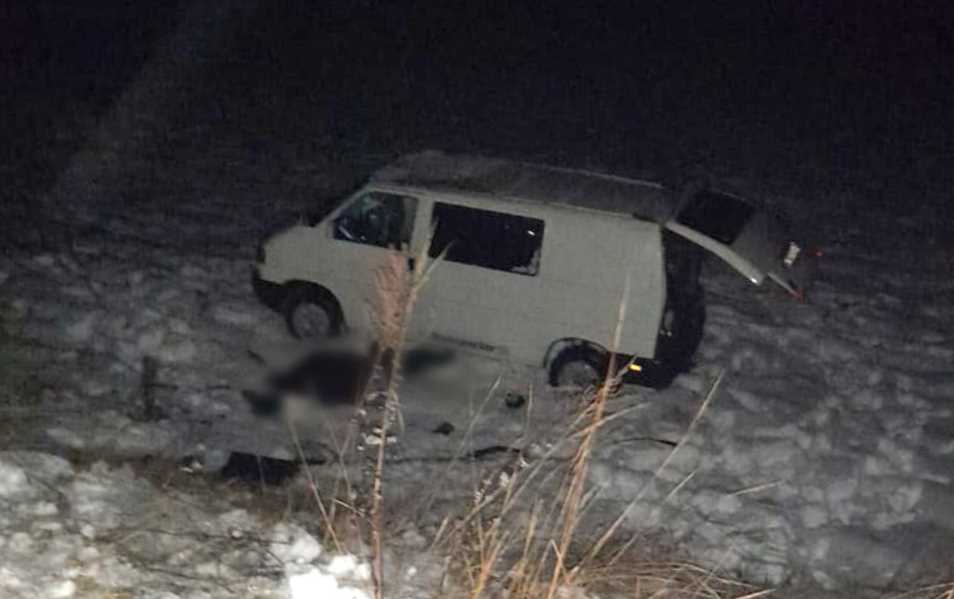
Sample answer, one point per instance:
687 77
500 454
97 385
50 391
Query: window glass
488 239
718 216
376 218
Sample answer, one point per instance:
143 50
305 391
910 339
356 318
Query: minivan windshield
324 206
716 215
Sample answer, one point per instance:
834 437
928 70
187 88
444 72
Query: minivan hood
761 247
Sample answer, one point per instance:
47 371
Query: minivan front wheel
310 314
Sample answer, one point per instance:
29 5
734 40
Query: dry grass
88 587
519 542
524 541
943 590
397 290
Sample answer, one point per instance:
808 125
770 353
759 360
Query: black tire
314 305
587 360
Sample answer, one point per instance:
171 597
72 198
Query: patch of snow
63 588
81 331
315 583
291 544
348 566
45 260
234 315
66 437
180 350
49 468
150 340
13 481
103 496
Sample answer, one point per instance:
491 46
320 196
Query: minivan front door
368 230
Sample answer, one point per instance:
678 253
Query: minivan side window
379 219
488 239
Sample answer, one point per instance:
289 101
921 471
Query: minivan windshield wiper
716 215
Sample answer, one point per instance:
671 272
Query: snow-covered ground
825 457
109 531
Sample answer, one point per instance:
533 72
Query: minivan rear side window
487 239
719 216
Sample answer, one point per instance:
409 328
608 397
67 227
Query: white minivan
536 261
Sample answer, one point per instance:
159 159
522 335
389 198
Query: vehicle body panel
575 294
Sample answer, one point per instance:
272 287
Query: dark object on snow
263 404
444 428
190 464
333 377
514 400
149 382
492 450
259 470
419 360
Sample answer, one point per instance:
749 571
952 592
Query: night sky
842 90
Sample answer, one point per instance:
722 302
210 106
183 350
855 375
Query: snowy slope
108 531
826 455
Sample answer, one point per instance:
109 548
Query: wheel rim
311 320
578 375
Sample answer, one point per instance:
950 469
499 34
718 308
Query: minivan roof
525 182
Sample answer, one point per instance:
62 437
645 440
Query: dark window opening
721 217
487 239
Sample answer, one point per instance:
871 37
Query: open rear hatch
753 241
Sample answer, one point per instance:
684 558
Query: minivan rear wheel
310 314
578 367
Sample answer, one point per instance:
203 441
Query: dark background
787 96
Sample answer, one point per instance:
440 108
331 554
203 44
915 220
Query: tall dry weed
396 292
